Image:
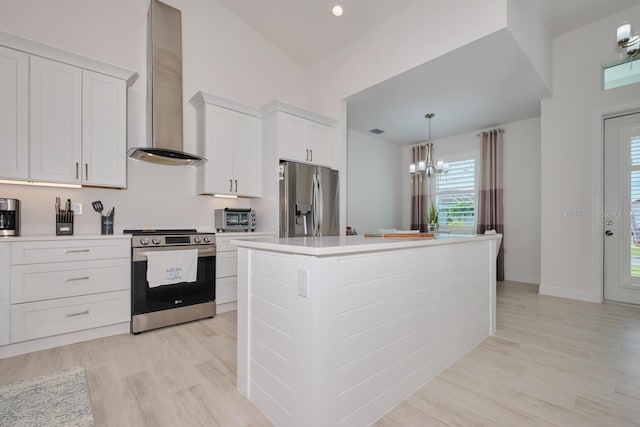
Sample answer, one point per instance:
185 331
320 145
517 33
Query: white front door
621 214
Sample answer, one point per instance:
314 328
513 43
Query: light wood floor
552 362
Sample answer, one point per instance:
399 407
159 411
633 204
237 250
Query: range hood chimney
164 90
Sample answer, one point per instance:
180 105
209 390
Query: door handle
231 185
307 158
236 185
311 155
86 171
609 233
77 171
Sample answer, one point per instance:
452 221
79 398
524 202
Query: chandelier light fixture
426 166
628 42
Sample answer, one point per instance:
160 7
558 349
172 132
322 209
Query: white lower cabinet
58 316
226 292
227 268
34 282
61 286
5 293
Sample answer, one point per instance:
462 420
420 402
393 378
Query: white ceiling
457 88
463 97
306 30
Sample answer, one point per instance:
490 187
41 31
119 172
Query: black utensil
97 206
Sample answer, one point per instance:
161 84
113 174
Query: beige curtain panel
490 195
419 184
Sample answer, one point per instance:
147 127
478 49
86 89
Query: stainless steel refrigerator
308 200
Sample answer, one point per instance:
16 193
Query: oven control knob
144 241
206 239
156 241
197 239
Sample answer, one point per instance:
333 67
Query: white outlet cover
77 208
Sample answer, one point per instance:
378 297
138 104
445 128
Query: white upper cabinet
104 130
63 117
303 140
301 135
14 114
229 137
247 155
56 120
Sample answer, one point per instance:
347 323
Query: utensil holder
64 223
106 225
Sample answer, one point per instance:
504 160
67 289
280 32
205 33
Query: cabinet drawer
226 264
225 246
35 282
68 250
226 290
45 318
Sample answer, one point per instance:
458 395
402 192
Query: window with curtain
455 195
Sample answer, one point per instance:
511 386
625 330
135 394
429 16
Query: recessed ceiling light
337 10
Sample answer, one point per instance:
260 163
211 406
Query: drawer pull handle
81 313
73 279
75 251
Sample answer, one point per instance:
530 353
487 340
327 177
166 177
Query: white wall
419 33
571 157
374 175
521 192
221 55
529 31
522 201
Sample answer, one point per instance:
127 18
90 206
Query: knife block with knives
64 219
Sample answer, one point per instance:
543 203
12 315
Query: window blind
455 194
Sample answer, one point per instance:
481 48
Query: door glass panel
621 215
634 186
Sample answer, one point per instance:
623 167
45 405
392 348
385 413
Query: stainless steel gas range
172 299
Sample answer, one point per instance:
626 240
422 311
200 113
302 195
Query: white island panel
337 336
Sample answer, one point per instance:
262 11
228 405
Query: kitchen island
336 331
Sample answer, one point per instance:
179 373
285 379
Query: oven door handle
140 254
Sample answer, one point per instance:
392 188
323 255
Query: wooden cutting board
402 235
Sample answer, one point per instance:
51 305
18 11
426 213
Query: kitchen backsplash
156 197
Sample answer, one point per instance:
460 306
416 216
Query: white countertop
54 237
244 233
338 245
119 236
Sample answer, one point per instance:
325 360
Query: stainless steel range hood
164 90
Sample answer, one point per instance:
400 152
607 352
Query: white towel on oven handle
171 267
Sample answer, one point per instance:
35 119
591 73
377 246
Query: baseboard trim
533 279
18 348
229 306
574 294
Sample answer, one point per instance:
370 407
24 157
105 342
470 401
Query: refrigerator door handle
320 205
314 198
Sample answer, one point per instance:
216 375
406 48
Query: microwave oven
232 219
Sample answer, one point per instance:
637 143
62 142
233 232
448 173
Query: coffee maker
9 217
